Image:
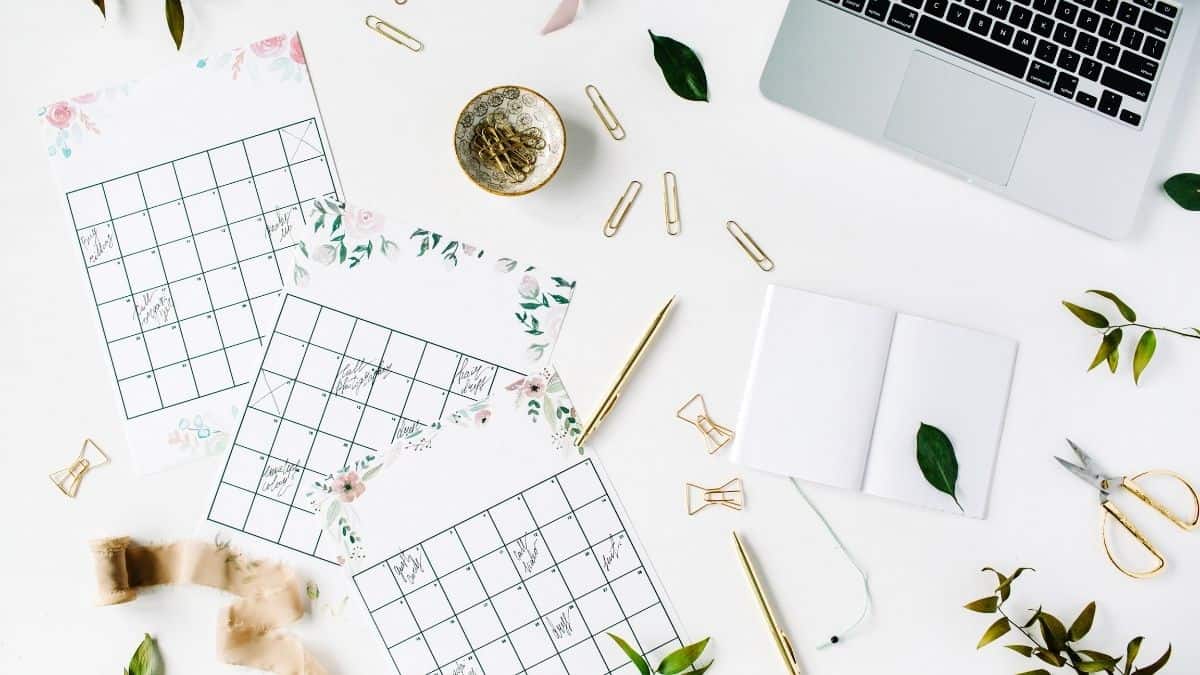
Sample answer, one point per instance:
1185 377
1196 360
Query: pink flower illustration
297 50
85 98
60 114
268 47
533 386
348 486
529 288
482 417
363 224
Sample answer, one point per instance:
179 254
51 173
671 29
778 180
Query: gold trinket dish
510 140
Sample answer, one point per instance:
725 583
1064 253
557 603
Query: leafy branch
1112 334
682 660
1051 641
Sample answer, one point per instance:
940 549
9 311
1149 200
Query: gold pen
615 392
781 638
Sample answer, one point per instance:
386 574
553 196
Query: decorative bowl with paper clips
510 140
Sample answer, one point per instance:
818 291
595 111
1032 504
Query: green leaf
1032 619
1101 657
1156 666
702 669
638 661
1185 190
1144 352
935 456
681 67
1023 650
1131 652
1049 657
1108 345
312 590
1053 631
1125 310
1039 671
1082 623
1090 317
681 659
1004 584
1114 358
174 11
994 632
146 660
986 605
100 5
1094 666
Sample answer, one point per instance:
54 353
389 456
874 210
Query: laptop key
999 8
936 7
1155 25
1110 30
1065 85
878 9
915 4
1154 48
1085 99
959 15
854 5
1091 69
1084 3
1106 7
1125 84
1041 74
1043 25
1067 11
1044 6
1025 42
1130 117
1110 103
1021 17
1088 20
902 18
1109 53
1046 51
1167 10
971 46
1148 4
1128 13
976 4
980 24
1132 38
1068 60
1139 65
1087 44
1002 33
1065 35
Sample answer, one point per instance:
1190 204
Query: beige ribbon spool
270 595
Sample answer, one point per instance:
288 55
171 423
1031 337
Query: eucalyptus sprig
1113 332
1050 641
682 660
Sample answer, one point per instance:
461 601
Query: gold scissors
1091 474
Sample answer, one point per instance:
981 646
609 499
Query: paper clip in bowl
622 208
729 495
68 479
394 34
671 203
607 117
751 248
695 412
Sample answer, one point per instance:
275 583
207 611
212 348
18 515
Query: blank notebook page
955 379
814 386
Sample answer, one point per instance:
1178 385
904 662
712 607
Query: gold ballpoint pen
781 638
615 392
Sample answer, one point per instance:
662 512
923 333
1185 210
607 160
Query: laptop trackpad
957 117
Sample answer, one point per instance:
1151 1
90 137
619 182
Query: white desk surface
837 214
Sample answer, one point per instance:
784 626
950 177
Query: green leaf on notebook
681 67
1185 190
935 456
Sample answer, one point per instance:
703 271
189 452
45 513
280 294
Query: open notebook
837 390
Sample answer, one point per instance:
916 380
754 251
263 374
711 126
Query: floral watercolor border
282 55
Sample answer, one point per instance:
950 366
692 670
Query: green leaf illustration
1185 190
1091 318
1083 623
681 659
1125 310
935 456
638 661
146 660
1108 345
174 11
1143 354
681 68
994 632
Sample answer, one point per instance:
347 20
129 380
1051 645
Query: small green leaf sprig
682 660
1112 334
146 660
1051 641
680 67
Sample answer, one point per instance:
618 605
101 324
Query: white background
838 215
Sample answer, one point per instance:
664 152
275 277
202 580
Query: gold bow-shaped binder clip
729 495
68 479
695 412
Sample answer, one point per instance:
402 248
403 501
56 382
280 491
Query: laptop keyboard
1103 55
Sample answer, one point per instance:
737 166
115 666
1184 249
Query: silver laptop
1058 104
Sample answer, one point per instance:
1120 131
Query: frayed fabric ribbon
563 15
269 596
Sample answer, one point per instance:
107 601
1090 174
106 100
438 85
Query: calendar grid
183 260
479 630
348 388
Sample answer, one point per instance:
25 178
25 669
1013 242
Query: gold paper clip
695 412
394 34
68 479
607 117
729 495
750 246
671 203
618 213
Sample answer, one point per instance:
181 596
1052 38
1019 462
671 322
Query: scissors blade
1089 477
